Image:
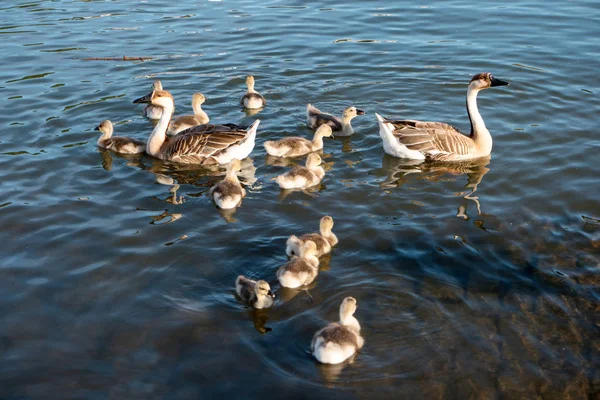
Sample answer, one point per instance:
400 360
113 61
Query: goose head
313 160
347 308
324 131
352 112
262 289
106 127
159 98
157 85
326 224
485 80
198 99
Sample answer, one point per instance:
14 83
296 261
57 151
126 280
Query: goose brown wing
201 142
432 137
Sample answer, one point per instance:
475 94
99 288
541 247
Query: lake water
476 280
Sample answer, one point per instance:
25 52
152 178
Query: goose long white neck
479 133
158 135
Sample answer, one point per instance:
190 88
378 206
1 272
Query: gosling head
309 249
313 160
106 127
352 112
159 98
348 307
326 224
262 288
198 98
234 166
157 85
250 81
485 80
324 131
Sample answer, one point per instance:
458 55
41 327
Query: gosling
324 240
118 144
298 146
342 127
229 192
303 177
257 293
188 121
339 340
252 99
301 270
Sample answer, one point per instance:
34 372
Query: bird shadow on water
400 171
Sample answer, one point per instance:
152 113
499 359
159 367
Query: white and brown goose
151 111
252 99
257 293
439 141
341 126
184 122
324 240
118 144
298 146
303 177
202 144
339 340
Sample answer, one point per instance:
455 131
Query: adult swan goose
202 144
439 141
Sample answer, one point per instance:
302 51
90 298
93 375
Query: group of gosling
191 139
335 342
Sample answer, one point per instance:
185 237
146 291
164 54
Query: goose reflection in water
398 170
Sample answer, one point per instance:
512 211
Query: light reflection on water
475 279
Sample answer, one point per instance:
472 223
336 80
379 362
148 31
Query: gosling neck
479 133
346 125
158 135
250 87
197 107
317 142
232 176
105 135
347 319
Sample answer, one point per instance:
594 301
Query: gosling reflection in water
399 170
133 160
168 181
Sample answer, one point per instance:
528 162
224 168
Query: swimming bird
118 144
339 340
439 141
252 99
302 269
229 192
187 121
297 146
303 177
202 144
324 240
151 111
258 294
342 127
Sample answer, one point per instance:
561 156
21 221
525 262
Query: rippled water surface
473 280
